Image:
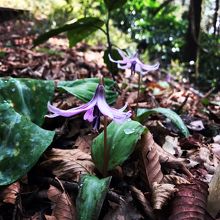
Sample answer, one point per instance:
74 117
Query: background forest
182 35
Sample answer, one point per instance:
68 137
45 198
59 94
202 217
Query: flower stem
109 47
106 149
138 94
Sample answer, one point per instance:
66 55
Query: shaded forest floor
186 164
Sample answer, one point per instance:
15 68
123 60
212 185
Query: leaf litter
166 177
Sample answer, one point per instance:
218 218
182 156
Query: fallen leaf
68 164
214 193
216 139
190 201
10 193
150 169
84 143
162 193
63 208
171 145
145 204
124 211
196 125
174 179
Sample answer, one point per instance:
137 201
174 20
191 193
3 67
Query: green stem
107 32
138 94
106 149
109 47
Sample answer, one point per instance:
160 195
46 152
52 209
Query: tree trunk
215 16
192 36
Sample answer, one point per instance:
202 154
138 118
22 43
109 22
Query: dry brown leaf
171 145
174 179
68 164
143 201
84 143
161 193
48 217
10 193
63 209
190 201
150 169
124 211
171 161
132 97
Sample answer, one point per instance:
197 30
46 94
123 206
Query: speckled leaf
121 141
84 88
21 144
28 96
142 114
91 196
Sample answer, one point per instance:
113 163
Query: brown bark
192 36
215 16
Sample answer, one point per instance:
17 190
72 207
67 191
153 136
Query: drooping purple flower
133 63
94 109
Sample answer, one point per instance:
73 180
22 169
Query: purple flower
94 109
133 63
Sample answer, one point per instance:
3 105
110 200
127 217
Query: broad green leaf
114 4
91 196
78 30
112 67
121 141
142 114
83 29
28 96
21 144
84 89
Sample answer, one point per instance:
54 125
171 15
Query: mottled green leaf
82 29
84 89
114 4
91 196
121 141
21 144
142 114
28 96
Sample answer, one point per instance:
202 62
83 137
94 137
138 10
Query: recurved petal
120 116
72 111
122 54
127 66
89 115
120 109
117 61
147 68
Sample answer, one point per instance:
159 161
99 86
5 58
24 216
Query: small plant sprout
135 65
94 109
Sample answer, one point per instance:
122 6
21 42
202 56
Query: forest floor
181 167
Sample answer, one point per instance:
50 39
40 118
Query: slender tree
215 18
192 36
